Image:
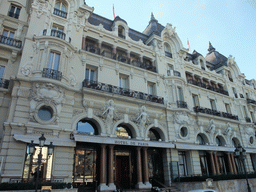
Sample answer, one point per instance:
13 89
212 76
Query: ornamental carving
47 93
26 69
182 118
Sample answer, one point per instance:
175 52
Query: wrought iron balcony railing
122 91
10 41
199 109
247 119
209 87
60 13
251 101
52 74
56 33
14 15
182 104
124 59
168 54
4 83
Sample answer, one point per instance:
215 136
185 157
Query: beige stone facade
116 103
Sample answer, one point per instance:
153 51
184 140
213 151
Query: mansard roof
214 58
153 27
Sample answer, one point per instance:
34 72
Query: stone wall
221 186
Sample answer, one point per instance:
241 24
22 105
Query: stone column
233 163
145 168
139 184
216 163
153 62
230 164
103 185
128 54
99 46
141 58
111 184
114 49
212 164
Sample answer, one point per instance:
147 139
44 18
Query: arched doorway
86 159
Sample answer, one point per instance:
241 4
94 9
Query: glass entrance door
84 176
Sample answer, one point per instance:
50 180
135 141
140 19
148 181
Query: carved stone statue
212 127
109 113
142 119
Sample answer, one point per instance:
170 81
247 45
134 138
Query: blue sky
230 25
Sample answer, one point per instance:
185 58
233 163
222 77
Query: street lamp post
240 152
39 160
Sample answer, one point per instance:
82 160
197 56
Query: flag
114 12
187 44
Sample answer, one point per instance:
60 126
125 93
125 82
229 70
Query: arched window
153 135
60 8
218 141
121 32
123 132
202 64
167 50
86 127
200 139
235 142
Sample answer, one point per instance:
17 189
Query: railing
199 109
182 104
209 87
59 34
10 41
4 83
143 65
176 73
247 119
122 36
14 15
251 101
52 74
121 91
168 54
60 13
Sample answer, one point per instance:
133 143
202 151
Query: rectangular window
2 68
54 60
180 94
253 118
182 163
195 100
7 37
245 112
91 74
31 165
228 109
124 81
14 11
151 88
203 163
213 104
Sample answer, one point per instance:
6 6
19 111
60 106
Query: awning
122 141
49 138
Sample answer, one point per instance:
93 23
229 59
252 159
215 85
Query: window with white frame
169 70
2 69
195 100
151 88
213 104
228 109
54 60
182 163
58 31
123 81
167 49
180 94
60 8
7 36
14 11
91 74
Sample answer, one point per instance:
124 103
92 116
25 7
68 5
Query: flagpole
114 15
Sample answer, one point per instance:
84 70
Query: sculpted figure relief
109 114
142 119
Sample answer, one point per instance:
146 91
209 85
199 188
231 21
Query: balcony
247 119
124 59
4 83
208 111
52 74
10 41
209 87
60 13
251 101
121 91
56 33
173 73
182 104
14 15
168 54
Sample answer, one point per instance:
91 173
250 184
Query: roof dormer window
121 32
60 9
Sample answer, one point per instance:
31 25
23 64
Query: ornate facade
124 109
